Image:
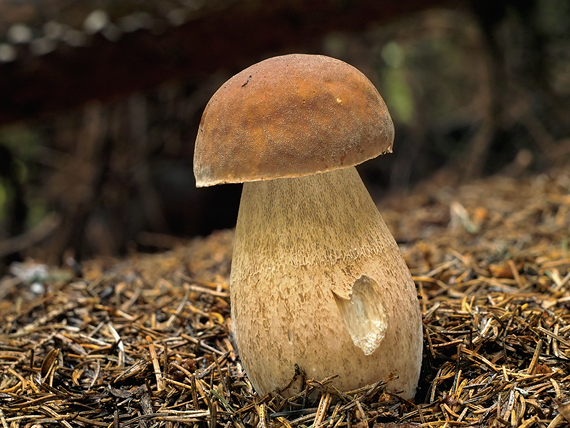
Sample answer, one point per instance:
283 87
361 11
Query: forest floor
145 341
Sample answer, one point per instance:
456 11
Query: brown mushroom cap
290 116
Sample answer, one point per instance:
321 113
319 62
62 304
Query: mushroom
318 285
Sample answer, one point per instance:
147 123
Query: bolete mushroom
318 284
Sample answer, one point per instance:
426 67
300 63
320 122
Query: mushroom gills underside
363 314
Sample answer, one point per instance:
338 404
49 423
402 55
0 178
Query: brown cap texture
290 116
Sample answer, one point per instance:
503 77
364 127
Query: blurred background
100 101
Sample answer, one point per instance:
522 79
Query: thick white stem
318 281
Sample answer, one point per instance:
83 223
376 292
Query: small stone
96 21
7 53
19 33
37 288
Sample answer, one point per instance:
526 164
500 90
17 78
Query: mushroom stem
318 281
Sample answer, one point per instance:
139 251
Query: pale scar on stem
363 314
